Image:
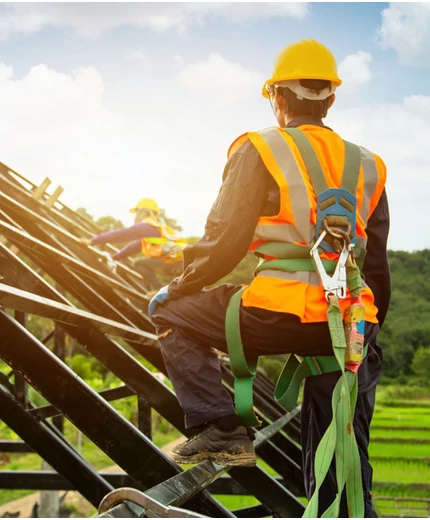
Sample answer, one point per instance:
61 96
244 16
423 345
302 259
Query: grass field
401 469
404 471
404 434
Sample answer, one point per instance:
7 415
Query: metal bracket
153 508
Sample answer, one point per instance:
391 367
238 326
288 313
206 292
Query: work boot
226 448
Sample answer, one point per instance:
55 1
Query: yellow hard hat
146 204
306 59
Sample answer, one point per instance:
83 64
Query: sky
119 101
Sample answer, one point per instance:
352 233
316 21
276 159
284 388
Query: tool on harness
335 232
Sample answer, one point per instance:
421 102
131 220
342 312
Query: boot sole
223 459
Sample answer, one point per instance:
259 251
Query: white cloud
354 70
169 141
136 55
44 99
406 29
398 133
220 77
89 20
54 124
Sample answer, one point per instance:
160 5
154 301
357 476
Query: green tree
108 223
170 221
82 212
421 364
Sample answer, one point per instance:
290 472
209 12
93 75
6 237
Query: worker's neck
295 121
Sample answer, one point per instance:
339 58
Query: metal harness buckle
337 283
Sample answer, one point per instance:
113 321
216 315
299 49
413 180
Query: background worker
150 236
267 196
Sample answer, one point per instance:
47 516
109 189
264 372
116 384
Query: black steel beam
226 485
62 313
20 385
65 244
65 218
132 451
53 449
282 457
258 511
144 416
40 247
7 446
113 394
109 353
52 481
271 497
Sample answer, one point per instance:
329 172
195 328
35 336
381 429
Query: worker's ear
281 102
331 100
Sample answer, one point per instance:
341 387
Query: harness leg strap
243 372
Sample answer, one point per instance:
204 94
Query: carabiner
337 283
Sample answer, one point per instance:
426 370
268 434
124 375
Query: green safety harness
335 233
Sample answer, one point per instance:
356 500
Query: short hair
306 107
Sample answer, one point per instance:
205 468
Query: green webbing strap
243 372
359 254
296 369
339 438
284 250
294 265
351 169
296 251
310 159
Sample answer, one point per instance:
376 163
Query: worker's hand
158 299
85 241
111 264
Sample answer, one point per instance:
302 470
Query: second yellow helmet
146 204
306 59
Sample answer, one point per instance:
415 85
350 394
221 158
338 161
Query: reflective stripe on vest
309 277
169 246
283 166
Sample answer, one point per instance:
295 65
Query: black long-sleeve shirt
248 191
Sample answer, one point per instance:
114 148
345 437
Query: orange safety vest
169 247
301 292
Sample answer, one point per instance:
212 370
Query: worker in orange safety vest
290 193
158 243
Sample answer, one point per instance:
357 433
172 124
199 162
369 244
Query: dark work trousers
192 326
149 268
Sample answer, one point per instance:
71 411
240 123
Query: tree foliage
107 222
421 364
407 326
170 221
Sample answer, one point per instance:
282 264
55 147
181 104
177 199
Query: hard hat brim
335 81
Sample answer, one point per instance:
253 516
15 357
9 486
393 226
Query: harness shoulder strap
351 169
310 159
